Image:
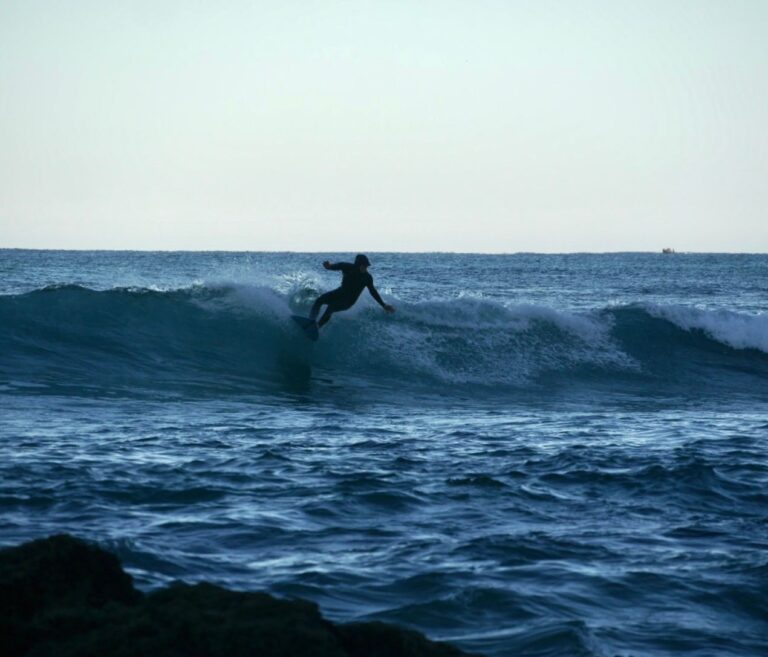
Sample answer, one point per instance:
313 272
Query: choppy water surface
536 455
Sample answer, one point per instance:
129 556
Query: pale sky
385 126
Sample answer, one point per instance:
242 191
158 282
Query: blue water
535 455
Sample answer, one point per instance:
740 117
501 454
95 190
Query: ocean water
535 455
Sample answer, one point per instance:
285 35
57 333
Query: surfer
355 277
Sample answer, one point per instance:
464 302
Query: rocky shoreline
63 597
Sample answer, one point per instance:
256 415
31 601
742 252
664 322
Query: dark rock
382 640
62 597
63 571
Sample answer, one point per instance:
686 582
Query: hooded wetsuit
352 284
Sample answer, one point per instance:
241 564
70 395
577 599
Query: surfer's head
362 262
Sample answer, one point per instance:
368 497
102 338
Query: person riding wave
355 278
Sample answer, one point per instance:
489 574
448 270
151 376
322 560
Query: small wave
482 481
390 500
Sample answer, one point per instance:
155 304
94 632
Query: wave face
210 338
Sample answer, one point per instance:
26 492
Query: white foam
242 298
737 330
468 340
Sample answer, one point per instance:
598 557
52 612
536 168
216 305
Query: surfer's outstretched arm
375 294
338 266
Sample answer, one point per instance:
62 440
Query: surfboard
309 326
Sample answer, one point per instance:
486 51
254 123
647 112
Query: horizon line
436 252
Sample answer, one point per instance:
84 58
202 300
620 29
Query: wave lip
737 330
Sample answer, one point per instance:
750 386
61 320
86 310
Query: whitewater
535 455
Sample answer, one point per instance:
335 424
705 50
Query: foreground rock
63 597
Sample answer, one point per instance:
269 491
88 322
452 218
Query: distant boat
667 250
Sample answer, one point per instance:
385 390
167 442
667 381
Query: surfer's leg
334 305
321 300
326 316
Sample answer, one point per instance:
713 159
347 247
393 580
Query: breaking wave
238 337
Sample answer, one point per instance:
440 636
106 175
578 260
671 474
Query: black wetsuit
344 297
